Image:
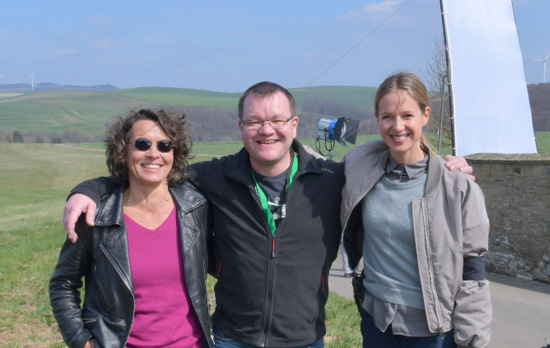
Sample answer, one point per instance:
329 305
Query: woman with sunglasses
145 260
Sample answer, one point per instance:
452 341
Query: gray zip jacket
451 230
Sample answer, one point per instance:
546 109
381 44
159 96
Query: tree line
210 124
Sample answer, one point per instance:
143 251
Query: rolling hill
212 115
58 114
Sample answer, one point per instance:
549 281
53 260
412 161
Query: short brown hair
264 89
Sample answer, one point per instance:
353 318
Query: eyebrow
271 118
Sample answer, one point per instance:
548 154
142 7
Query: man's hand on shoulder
76 205
459 162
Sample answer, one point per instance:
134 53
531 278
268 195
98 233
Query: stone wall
517 194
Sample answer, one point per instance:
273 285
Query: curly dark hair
174 126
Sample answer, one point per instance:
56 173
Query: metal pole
442 93
449 76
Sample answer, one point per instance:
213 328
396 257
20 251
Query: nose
153 151
266 128
398 123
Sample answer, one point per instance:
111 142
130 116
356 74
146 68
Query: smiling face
149 167
400 120
269 148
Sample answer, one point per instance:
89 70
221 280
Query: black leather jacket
101 256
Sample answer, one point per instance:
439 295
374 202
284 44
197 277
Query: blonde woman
422 232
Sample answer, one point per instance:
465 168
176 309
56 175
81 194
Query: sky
229 45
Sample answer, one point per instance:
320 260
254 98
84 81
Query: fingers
460 163
451 162
69 220
90 214
75 206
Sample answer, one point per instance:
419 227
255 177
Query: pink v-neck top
164 315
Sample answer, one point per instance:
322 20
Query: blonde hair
415 88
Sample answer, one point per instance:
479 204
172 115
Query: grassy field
36 179
33 190
543 142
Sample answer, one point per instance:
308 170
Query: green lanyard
263 197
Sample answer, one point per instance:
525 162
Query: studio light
340 130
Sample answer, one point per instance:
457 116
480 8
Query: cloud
65 52
232 46
106 45
99 21
384 7
387 7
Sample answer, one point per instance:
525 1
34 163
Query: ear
295 121
426 116
241 127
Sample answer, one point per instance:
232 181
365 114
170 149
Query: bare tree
437 83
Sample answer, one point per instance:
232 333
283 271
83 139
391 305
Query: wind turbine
32 81
544 67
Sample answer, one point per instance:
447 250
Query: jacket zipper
267 315
269 299
269 295
430 266
273 248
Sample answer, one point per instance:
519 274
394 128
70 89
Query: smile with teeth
268 142
151 166
400 137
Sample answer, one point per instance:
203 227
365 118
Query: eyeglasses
144 144
276 123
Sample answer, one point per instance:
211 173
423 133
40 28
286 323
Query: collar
413 170
110 210
239 167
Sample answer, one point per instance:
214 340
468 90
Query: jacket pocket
89 323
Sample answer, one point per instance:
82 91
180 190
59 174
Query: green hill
37 114
354 96
76 116
181 96
60 111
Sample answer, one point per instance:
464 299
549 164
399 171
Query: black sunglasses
144 144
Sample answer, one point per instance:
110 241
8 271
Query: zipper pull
273 248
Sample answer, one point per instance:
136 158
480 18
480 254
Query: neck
408 157
147 197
